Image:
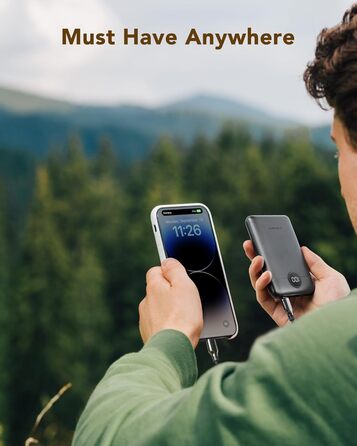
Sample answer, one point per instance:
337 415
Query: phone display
274 238
186 233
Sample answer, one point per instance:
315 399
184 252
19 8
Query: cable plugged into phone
288 308
212 349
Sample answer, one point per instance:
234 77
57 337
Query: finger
248 249
262 283
263 297
155 281
153 272
255 269
173 271
317 266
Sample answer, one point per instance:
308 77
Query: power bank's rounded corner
274 293
286 217
311 291
248 219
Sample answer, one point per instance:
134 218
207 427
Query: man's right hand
330 285
172 301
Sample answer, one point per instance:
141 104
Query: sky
33 58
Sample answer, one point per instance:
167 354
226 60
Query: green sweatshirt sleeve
298 387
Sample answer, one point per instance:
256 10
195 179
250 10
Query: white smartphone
186 233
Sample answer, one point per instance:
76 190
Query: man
299 385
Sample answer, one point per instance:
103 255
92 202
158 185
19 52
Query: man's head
332 76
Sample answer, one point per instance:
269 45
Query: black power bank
274 238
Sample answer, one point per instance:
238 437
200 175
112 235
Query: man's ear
340 135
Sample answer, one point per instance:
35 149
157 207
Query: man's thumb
317 266
173 270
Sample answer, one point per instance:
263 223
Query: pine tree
4 319
85 330
106 162
163 174
89 206
37 314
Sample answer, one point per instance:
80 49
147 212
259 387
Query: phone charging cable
212 349
288 308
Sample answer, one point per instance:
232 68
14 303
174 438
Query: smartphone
186 233
274 238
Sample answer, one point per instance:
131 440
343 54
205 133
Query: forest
76 241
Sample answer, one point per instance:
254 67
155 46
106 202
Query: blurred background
91 138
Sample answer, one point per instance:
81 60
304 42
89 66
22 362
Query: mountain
22 102
228 109
36 124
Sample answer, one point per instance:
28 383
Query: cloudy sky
33 59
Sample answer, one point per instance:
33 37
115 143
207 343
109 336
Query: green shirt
298 387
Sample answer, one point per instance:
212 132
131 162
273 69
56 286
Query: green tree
83 338
106 162
89 203
36 316
4 317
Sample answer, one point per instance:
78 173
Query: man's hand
172 301
330 285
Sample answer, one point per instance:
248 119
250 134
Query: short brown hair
332 75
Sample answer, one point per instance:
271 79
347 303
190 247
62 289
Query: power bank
274 238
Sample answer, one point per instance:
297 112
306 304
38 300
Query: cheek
347 172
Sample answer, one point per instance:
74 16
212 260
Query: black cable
212 349
288 308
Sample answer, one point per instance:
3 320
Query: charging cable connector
212 349
288 308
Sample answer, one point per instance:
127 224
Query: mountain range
36 124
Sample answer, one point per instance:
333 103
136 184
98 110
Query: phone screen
188 236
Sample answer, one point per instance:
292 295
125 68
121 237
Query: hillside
23 102
37 124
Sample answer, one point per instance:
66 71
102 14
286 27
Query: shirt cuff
179 351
